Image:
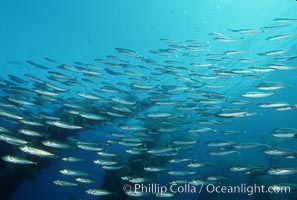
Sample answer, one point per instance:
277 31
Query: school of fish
161 104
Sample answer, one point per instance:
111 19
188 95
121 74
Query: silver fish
98 192
17 160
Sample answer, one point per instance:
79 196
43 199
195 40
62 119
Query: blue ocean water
81 31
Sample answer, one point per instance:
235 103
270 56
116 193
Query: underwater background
178 83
